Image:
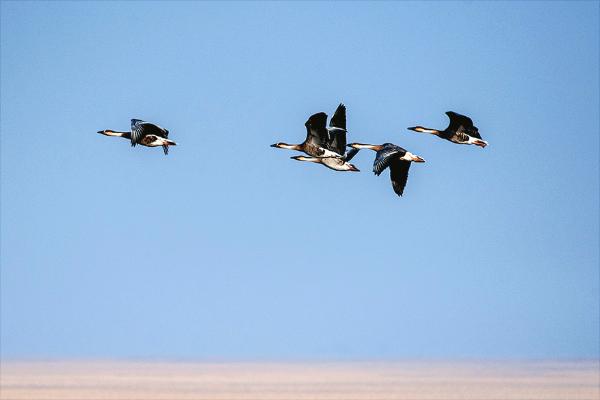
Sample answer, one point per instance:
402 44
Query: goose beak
418 159
412 128
100 132
274 145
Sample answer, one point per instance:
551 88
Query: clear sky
227 249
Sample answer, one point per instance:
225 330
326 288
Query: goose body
318 135
145 134
460 130
335 141
396 158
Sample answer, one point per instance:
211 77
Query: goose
460 130
145 134
336 142
318 135
394 157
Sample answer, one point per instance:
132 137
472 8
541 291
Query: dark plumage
145 134
332 138
395 158
319 138
337 131
460 130
316 132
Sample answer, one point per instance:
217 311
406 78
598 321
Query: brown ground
84 380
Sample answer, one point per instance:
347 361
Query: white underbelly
336 163
332 154
154 142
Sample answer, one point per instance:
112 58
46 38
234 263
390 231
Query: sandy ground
85 380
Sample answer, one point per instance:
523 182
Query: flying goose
145 134
336 142
317 136
460 130
394 157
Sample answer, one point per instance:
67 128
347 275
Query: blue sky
227 249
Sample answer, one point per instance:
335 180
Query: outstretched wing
350 154
339 118
385 156
316 130
140 128
337 130
399 175
462 124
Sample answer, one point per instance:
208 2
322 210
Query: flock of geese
327 145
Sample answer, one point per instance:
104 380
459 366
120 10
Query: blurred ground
409 380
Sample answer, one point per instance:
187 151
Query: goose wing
385 156
337 130
399 175
140 128
462 124
316 130
350 154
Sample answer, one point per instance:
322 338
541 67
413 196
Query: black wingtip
398 190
